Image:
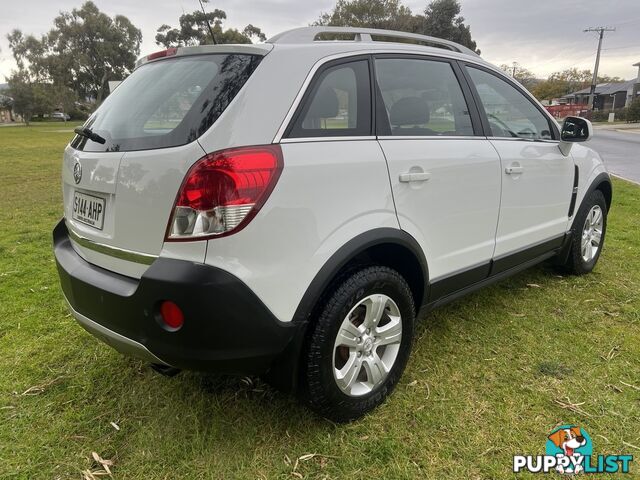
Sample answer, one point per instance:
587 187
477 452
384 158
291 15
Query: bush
633 112
599 116
78 114
603 115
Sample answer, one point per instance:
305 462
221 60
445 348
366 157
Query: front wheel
588 232
359 345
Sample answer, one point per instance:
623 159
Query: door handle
414 177
514 170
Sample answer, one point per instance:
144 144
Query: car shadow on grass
203 402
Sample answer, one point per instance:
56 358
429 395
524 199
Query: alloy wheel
592 233
367 345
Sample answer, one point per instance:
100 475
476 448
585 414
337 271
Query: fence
562 111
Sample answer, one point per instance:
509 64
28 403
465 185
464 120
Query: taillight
223 191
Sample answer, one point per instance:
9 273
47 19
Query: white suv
286 209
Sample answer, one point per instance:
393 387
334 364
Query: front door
537 179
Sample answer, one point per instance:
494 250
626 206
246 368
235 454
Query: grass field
489 377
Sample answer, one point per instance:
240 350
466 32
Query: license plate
88 209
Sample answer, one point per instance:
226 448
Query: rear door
537 179
444 174
119 194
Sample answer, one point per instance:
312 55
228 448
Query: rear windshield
168 103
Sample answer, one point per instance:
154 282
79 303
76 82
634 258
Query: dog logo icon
572 442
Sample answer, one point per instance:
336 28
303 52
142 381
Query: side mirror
574 130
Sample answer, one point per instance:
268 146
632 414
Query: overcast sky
542 35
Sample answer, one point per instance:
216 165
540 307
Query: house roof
607 88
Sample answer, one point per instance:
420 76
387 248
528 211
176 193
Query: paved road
620 152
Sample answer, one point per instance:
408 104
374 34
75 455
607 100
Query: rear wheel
589 229
360 344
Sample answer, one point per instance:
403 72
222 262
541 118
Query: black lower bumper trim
226 329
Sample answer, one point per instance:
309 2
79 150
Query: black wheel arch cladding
412 263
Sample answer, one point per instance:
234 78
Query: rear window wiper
86 132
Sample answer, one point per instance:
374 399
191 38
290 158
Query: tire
581 261
357 299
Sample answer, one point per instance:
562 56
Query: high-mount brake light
163 53
223 191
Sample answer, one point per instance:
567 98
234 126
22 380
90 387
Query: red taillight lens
171 315
223 191
163 53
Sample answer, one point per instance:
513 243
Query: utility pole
513 70
594 81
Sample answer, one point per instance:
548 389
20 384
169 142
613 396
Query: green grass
485 380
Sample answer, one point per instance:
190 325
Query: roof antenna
207 20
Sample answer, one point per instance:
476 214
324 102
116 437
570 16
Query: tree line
69 67
557 84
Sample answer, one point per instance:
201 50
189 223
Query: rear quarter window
168 103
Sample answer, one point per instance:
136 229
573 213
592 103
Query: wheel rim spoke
390 333
585 244
348 374
375 308
375 369
348 335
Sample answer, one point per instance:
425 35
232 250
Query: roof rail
311 34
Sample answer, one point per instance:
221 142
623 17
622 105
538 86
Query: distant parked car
60 116
287 208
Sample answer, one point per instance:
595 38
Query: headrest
409 111
325 104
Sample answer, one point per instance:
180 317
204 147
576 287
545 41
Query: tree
568 81
385 14
550 89
194 27
83 50
526 78
29 98
441 18
633 112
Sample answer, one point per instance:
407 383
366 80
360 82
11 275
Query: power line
620 48
633 20
594 81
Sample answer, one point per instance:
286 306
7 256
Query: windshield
167 103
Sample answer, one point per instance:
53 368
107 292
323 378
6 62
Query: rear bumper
226 329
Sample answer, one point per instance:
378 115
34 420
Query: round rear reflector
171 315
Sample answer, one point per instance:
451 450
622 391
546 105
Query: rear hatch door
119 194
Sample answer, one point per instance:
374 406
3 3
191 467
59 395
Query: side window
422 97
509 112
338 104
